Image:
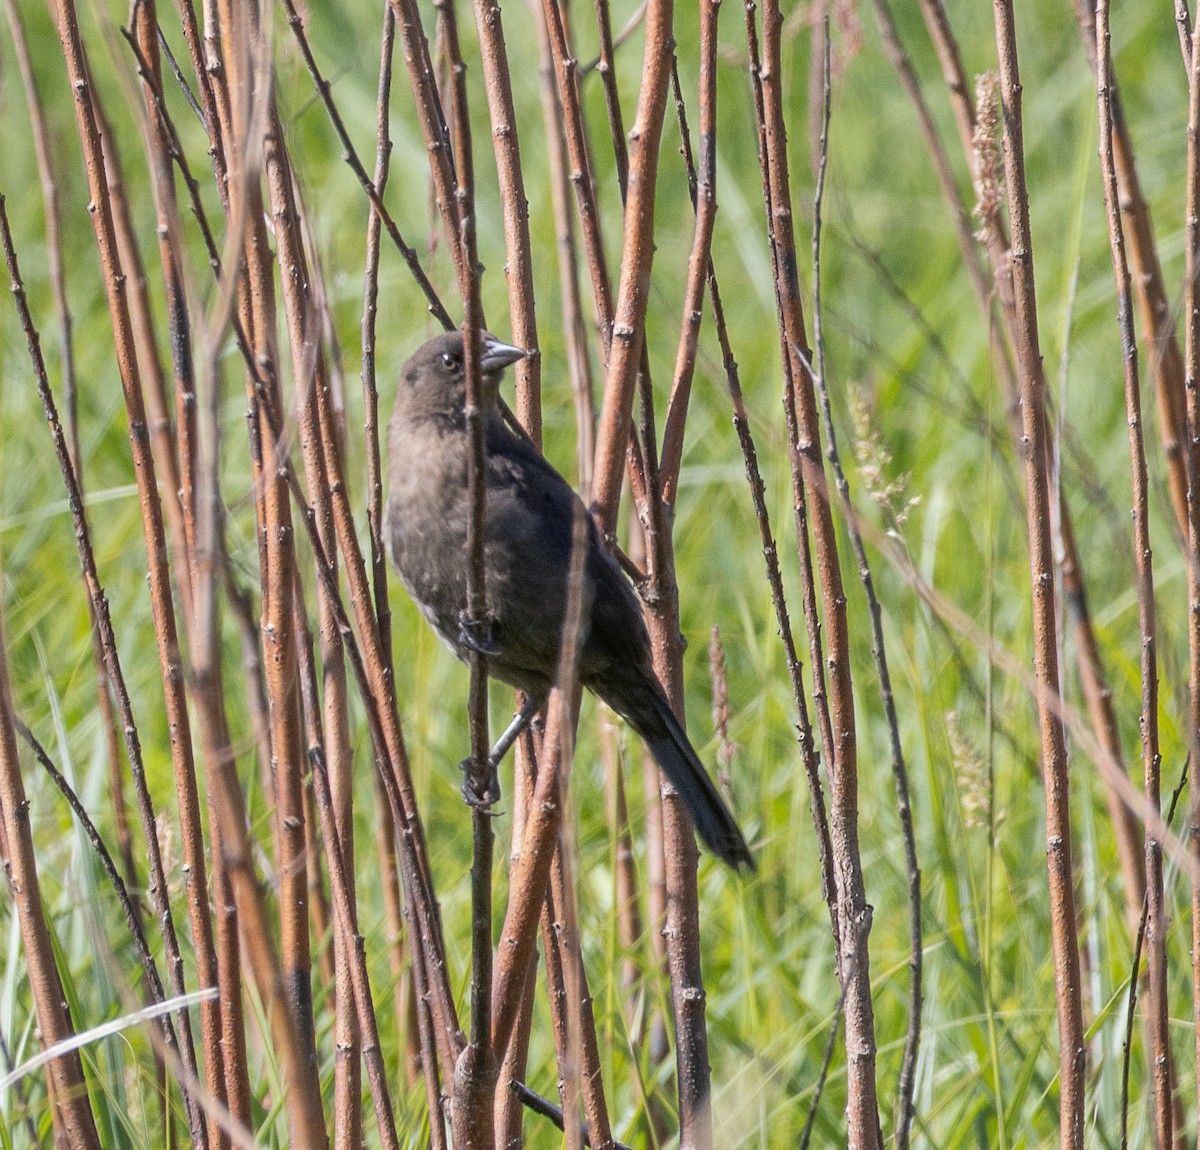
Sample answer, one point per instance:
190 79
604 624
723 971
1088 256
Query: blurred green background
988 1063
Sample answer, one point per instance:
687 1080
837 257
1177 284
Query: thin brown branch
128 908
1191 311
566 72
432 119
840 1008
70 1108
606 65
1072 1047
800 497
1147 626
355 971
629 315
699 261
1134 972
908 1066
350 155
508 1113
100 612
741 423
808 471
1164 360
43 153
573 325
383 151
310 377
477 1067
518 268
1183 23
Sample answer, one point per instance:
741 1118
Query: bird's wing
530 520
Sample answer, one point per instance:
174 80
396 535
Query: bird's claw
476 635
480 798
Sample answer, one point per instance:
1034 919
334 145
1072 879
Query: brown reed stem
908 1067
70 1109
841 748
1072 1049
350 155
432 120
759 76
629 315
383 152
699 261
477 1067
100 612
128 907
43 153
1164 361
518 267
741 423
1147 625
574 326
356 967
310 377
1191 311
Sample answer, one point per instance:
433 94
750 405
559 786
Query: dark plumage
527 550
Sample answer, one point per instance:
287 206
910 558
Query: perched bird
530 516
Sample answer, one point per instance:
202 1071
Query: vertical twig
629 315
908 1066
1191 310
432 119
809 595
100 612
699 261
1147 626
355 970
310 379
50 204
476 1070
71 1110
573 324
1164 360
1072 1050
741 423
854 914
518 267
383 152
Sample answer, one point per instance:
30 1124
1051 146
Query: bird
530 517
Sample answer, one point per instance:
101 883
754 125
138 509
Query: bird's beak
497 356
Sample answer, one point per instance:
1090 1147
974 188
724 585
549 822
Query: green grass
988 1063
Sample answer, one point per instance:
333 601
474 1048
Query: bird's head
434 380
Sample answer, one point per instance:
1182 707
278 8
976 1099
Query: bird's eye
448 360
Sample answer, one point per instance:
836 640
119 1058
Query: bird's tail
643 705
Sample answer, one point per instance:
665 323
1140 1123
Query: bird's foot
480 794
476 635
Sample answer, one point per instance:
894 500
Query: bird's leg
491 794
476 634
